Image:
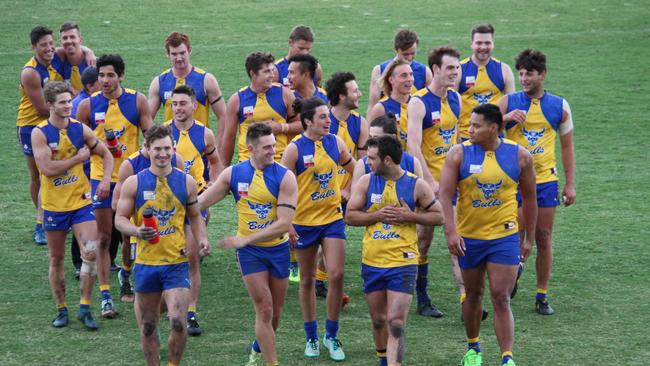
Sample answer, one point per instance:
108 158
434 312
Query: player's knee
474 296
379 322
335 275
307 280
148 328
56 259
264 312
543 237
177 324
501 299
89 251
396 328
88 267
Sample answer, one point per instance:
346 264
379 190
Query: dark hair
185 89
89 76
436 55
302 33
255 61
175 39
53 88
387 122
405 39
491 113
306 63
112 60
157 132
530 59
387 146
483 28
39 32
257 130
307 108
67 26
335 86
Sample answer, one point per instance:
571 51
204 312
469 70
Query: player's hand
525 248
569 194
83 154
517 115
204 249
456 245
146 232
275 126
293 236
103 189
384 214
232 242
400 214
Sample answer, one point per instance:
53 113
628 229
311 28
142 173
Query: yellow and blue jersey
120 115
407 163
439 127
167 82
487 189
537 134
349 131
76 101
72 73
190 145
400 110
256 197
318 93
259 107
27 114
167 196
319 192
478 85
283 72
70 190
140 162
419 74
387 245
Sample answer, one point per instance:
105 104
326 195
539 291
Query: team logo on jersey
488 189
118 133
163 216
54 146
261 209
100 117
447 134
308 161
483 98
533 136
386 226
242 189
470 81
248 111
435 117
403 136
188 165
65 179
375 198
323 179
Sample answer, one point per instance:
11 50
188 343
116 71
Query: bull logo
163 216
533 136
402 136
488 188
386 226
483 98
323 179
188 165
261 209
447 134
119 133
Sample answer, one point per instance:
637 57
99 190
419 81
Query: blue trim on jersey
433 102
494 72
128 103
244 172
76 101
404 187
274 98
306 146
196 134
147 182
195 80
506 156
66 69
551 107
74 131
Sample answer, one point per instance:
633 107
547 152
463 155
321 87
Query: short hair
185 89
307 108
405 39
482 28
386 87
306 63
39 32
112 60
67 26
89 76
257 130
530 59
491 113
52 89
302 33
387 146
157 132
255 61
436 55
387 122
175 39
335 86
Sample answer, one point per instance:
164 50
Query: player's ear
189 50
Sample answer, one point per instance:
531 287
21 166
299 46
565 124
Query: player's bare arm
217 102
216 191
294 127
125 171
100 149
528 189
213 155
568 156
416 112
374 92
227 146
517 115
347 162
43 156
83 112
31 82
153 97
448 183
146 121
508 79
126 209
196 221
356 215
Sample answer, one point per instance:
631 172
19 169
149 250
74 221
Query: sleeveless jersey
401 114
407 163
487 188
167 82
386 245
70 190
283 72
75 102
318 93
349 131
256 198
120 115
190 145
167 196
538 133
439 127
258 107
27 114
72 73
319 193
419 74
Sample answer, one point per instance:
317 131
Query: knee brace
89 267
89 250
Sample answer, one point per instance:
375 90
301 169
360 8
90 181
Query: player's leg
177 300
147 306
502 279
544 259
321 275
34 192
85 230
124 275
377 308
56 249
116 239
104 230
398 304
473 271
193 328
334 253
259 291
424 307
307 264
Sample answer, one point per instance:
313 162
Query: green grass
596 52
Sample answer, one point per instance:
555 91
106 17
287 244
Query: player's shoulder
465 60
421 93
199 70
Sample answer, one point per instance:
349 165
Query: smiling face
263 78
408 54
62 106
161 151
71 41
482 46
44 49
448 71
320 124
351 100
263 150
183 107
402 79
532 81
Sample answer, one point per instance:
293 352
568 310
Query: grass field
596 52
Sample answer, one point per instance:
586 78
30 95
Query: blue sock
331 328
106 295
476 346
256 347
505 359
383 361
190 314
84 307
125 273
421 284
311 330
540 296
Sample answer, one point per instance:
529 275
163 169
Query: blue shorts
253 259
62 221
25 139
313 235
161 278
500 251
547 195
105 203
398 279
